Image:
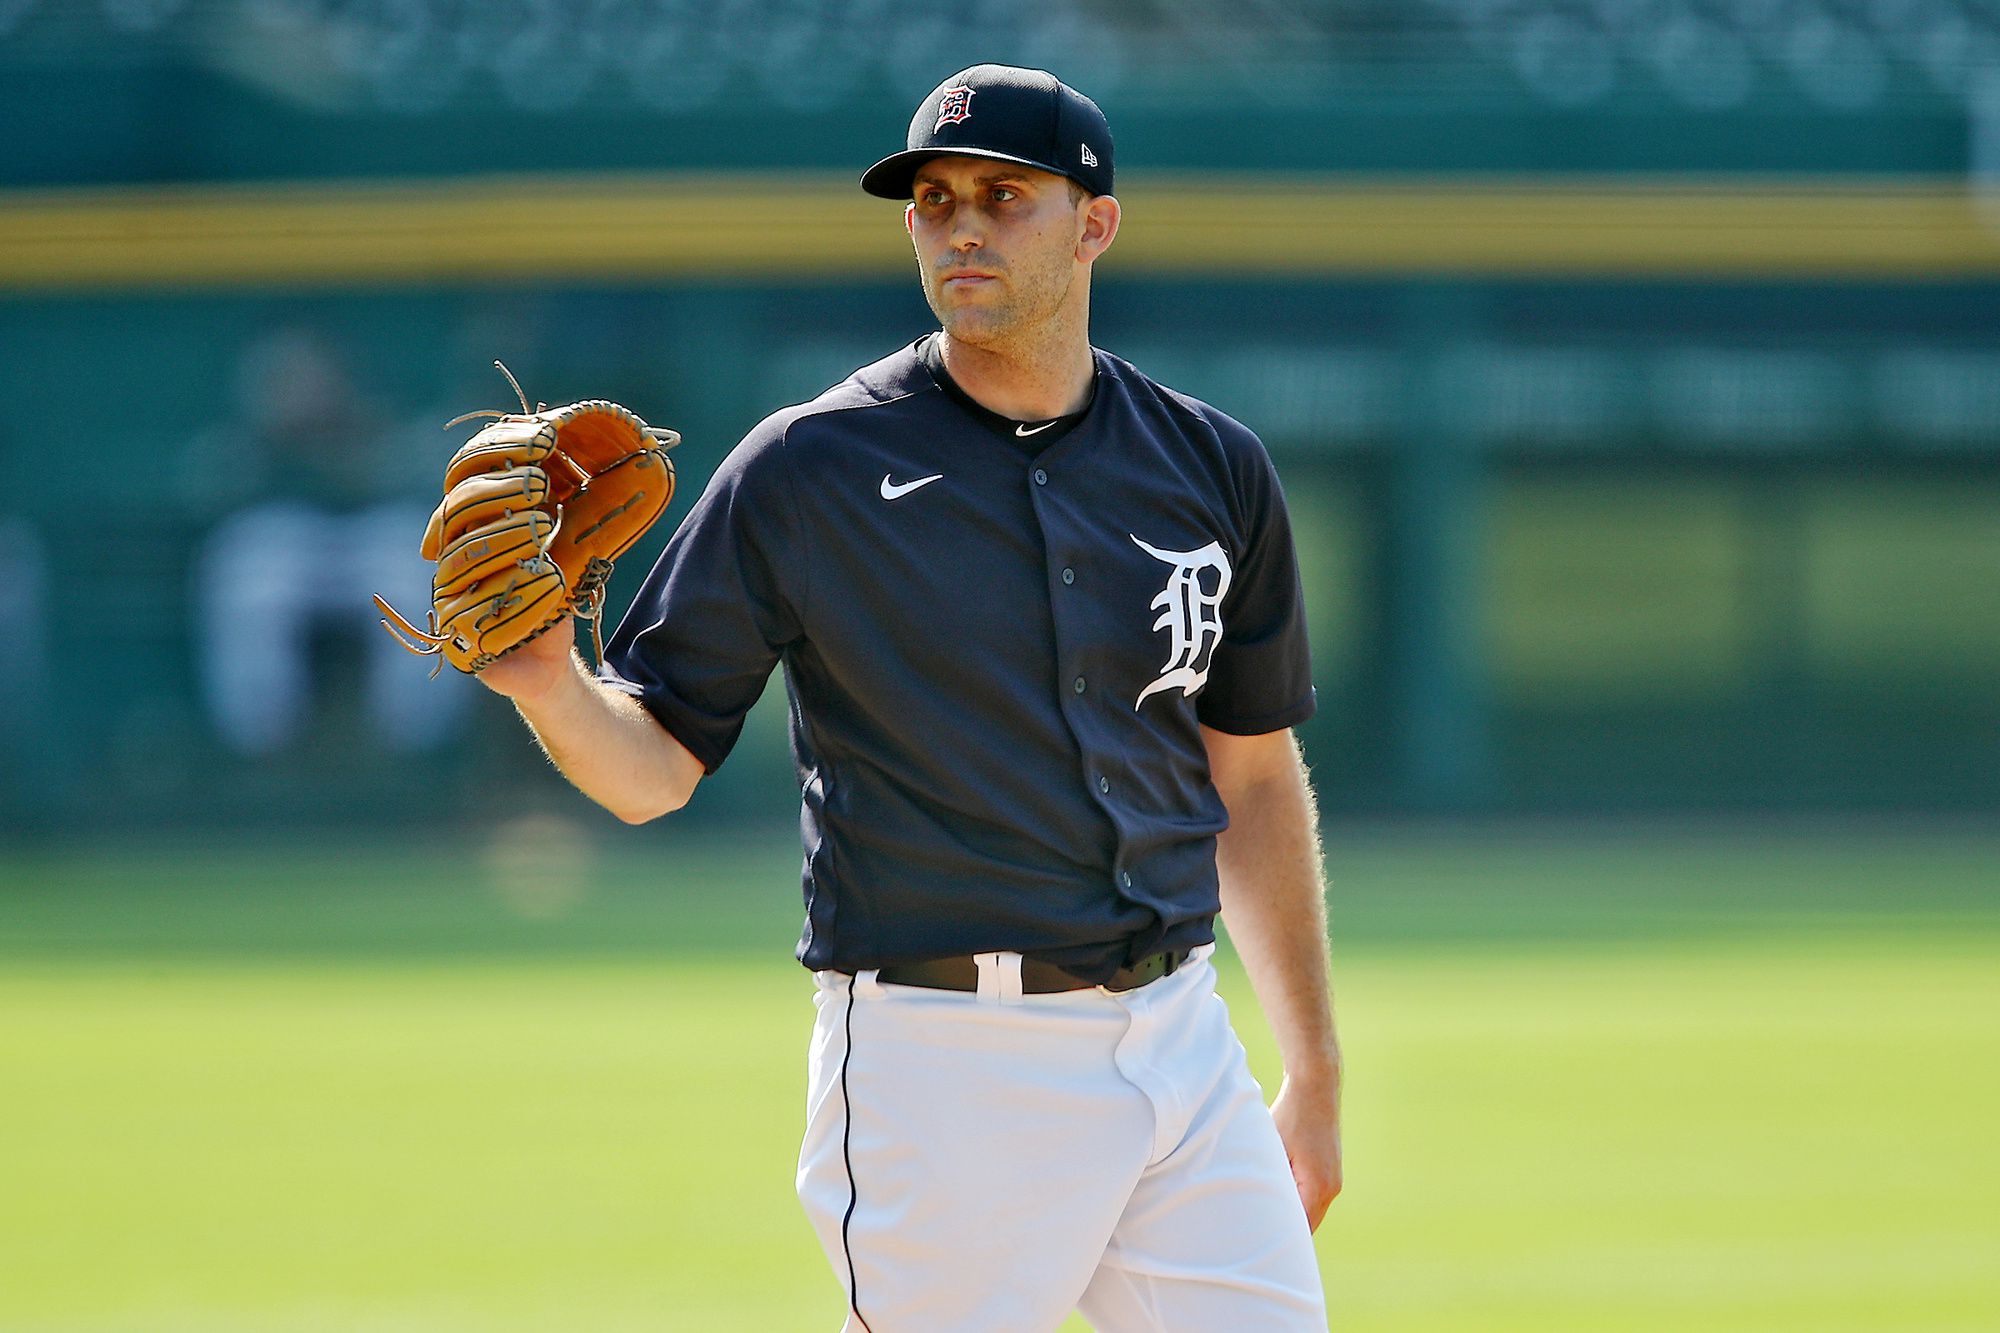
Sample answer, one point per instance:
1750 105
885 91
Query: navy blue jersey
998 649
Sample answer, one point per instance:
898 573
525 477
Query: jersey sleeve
1260 675
714 615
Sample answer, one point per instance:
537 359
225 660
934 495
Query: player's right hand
536 667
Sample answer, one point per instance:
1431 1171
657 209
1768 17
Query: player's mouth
966 279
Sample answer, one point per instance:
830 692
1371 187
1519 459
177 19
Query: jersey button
1041 477
1125 878
1069 576
1104 786
1077 685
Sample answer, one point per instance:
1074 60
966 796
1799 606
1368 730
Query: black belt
1037 978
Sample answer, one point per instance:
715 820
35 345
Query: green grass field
1597 1082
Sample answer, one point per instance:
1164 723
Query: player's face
997 245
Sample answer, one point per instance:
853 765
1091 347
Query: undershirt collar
1032 436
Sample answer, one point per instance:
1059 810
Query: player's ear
1100 227
910 218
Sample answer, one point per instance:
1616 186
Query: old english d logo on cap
955 105
1026 116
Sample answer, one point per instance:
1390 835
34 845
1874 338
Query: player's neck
1027 383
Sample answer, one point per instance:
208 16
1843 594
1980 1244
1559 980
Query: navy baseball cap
1007 114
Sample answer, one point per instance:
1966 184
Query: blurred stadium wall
1634 365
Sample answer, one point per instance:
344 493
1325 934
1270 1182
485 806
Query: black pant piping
847 1157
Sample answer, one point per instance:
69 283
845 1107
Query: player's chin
971 324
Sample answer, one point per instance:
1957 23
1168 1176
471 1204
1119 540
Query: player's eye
1004 193
931 198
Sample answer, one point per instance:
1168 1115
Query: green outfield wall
1580 545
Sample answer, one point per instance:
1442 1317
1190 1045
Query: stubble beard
1028 314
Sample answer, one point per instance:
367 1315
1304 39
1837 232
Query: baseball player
1042 634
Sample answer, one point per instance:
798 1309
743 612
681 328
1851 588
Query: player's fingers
1317 1189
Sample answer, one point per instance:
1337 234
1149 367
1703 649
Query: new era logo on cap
1027 116
955 105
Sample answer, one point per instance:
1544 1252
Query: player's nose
966 233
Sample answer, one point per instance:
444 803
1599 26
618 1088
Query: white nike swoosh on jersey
893 491
1022 429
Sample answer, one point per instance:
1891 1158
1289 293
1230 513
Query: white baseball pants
987 1163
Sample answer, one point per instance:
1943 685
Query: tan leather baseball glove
536 508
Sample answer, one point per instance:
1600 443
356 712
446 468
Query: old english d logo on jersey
954 106
1190 608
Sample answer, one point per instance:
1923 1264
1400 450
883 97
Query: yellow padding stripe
1778 227
751 225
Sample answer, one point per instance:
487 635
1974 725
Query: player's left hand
535 509
1308 1120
